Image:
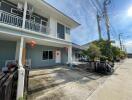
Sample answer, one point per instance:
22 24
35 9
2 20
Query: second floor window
60 31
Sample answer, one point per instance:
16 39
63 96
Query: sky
84 12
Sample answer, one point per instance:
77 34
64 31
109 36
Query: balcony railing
31 25
10 19
14 20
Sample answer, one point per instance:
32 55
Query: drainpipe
21 70
24 14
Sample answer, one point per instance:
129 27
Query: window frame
48 55
60 33
68 29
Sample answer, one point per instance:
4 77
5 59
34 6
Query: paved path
118 86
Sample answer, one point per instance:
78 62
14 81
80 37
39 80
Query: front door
58 56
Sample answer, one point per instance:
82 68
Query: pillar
24 14
21 70
70 56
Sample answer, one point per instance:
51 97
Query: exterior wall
53 27
64 56
67 37
36 53
74 51
73 56
7 51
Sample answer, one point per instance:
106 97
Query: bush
93 52
103 58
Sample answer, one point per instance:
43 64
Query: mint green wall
7 51
35 54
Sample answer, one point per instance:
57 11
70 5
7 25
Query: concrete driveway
118 86
61 83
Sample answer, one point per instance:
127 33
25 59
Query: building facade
35 33
38 22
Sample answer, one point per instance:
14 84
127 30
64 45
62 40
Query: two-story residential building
24 23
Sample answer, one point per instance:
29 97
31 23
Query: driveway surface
118 86
61 83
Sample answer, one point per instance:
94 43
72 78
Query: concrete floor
118 86
61 83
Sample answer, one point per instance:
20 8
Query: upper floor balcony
14 20
38 16
11 15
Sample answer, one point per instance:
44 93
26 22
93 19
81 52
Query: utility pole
107 2
99 28
120 41
107 23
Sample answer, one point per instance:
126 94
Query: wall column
70 56
24 14
21 70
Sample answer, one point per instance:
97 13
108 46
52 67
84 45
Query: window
17 12
47 55
67 30
50 54
61 31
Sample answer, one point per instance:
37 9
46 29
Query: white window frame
69 30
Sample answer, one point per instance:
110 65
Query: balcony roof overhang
45 9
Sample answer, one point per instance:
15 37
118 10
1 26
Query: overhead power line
95 6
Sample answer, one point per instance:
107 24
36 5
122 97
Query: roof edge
77 23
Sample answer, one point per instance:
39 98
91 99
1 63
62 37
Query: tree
100 49
116 52
93 52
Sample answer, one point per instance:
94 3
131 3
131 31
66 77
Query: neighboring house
76 52
23 22
86 46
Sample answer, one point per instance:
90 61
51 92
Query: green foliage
101 49
93 52
103 58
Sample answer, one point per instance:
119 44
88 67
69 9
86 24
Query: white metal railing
17 21
31 25
10 19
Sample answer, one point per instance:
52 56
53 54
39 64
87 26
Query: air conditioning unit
20 6
30 9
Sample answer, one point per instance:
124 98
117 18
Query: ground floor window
47 55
